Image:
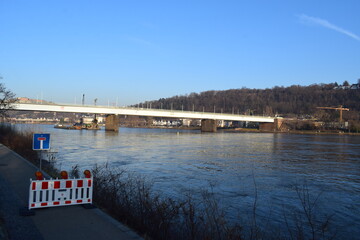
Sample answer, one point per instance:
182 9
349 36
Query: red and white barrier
60 192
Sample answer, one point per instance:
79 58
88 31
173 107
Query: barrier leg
25 211
88 206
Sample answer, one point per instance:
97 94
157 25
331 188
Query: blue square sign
41 141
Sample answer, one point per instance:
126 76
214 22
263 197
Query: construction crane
340 109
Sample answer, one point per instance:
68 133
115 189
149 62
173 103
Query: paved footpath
57 223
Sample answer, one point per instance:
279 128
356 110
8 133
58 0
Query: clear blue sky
132 51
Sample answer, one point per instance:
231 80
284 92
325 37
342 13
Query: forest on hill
294 101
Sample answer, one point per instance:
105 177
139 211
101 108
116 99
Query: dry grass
20 142
130 199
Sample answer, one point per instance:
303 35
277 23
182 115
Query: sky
131 51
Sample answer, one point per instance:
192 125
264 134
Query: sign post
41 141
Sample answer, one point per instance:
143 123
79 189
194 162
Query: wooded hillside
293 101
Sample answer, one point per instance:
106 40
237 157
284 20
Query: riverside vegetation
131 199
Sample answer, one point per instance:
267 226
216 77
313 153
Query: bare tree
7 98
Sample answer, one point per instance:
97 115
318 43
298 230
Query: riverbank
238 130
71 222
309 132
164 127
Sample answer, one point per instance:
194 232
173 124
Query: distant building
186 122
90 119
168 123
352 87
355 86
223 123
87 120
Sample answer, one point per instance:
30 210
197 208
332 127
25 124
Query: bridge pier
208 125
271 127
112 123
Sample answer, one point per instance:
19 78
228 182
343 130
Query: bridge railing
141 112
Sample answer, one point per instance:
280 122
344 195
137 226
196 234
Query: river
238 168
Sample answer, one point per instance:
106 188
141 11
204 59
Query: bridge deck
139 112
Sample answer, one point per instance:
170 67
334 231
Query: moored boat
80 126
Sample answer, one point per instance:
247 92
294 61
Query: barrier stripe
45 185
79 183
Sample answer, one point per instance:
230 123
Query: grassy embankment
131 200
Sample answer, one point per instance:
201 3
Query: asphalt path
56 223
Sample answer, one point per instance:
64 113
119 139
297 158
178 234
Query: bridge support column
271 127
112 123
208 125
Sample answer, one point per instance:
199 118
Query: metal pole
40 159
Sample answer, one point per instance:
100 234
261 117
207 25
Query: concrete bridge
208 120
